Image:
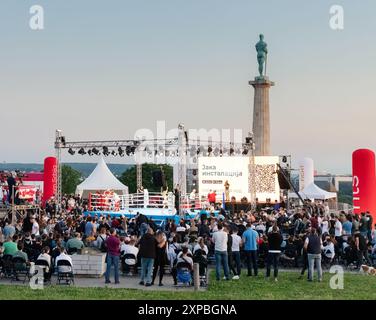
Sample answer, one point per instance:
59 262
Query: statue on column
262 55
227 191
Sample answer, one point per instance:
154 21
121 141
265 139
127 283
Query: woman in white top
201 246
45 255
329 249
324 226
35 227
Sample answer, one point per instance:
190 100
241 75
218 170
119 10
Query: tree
129 177
70 178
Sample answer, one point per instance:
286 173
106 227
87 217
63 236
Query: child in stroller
184 268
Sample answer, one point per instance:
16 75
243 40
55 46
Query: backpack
103 247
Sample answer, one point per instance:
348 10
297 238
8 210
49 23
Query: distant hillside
84 168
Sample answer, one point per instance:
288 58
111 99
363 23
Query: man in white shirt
236 241
338 228
220 247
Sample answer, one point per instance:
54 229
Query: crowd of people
270 237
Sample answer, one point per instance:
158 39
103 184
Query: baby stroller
184 275
201 258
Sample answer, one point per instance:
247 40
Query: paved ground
128 282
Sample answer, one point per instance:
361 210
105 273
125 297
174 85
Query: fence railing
114 202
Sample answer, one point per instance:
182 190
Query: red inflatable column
364 181
50 178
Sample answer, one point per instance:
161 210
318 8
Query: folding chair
20 268
65 272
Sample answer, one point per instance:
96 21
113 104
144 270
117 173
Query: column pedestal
261 116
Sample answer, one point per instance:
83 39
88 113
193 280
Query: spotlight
133 150
245 151
95 151
210 149
90 152
284 159
232 151
114 153
216 151
121 152
71 151
62 139
105 151
128 150
198 150
82 151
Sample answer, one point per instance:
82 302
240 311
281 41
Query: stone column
261 116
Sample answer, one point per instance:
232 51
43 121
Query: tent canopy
314 192
101 179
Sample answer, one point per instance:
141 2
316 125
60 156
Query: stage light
245 151
71 151
63 140
90 153
121 152
82 151
105 151
198 150
128 150
95 151
216 151
232 151
210 149
220 152
133 150
284 159
114 153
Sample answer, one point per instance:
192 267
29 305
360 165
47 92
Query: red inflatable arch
364 181
50 178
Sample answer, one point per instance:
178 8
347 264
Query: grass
289 287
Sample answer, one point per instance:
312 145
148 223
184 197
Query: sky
105 69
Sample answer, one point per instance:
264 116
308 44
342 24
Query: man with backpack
101 240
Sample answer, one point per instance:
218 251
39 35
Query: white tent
101 179
314 192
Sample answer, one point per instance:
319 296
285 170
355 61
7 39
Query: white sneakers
235 278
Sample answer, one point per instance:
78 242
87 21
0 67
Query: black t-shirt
229 244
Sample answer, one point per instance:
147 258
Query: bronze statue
262 55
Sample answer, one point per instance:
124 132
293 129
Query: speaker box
283 183
159 179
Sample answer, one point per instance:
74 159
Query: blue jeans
312 260
221 259
147 269
236 259
112 260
